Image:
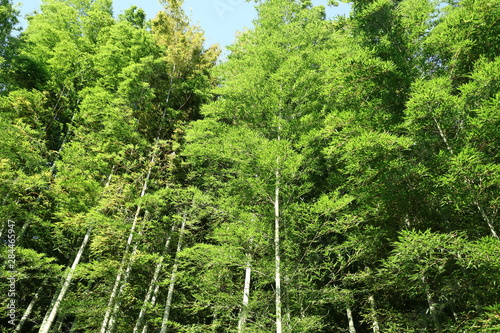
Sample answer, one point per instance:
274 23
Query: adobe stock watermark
223 6
11 270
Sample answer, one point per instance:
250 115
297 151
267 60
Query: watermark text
11 269
223 6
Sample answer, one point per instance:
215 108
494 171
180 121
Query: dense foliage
333 175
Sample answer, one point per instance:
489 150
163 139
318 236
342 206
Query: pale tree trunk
277 250
375 325
73 326
51 314
58 327
157 287
443 136
277 254
168 304
487 219
478 205
109 317
152 285
23 230
28 310
352 328
153 302
121 270
432 305
246 295
126 275
56 302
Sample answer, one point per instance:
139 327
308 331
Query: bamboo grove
332 175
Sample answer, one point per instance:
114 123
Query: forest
333 174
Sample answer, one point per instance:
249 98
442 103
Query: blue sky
220 19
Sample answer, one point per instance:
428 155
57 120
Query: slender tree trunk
432 305
157 287
277 250
478 205
153 302
152 285
375 325
443 136
246 295
352 328
171 286
59 323
111 310
123 282
51 314
121 271
126 275
23 230
73 326
486 219
28 310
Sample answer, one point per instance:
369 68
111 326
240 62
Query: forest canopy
333 174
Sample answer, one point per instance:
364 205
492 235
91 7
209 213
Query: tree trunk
277 249
443 136
153 302
246 295
157 287
118 281
28 310
59 323
171 286
152 285
486 219
479 207
375 325
51 314
352 328
432 305
126 275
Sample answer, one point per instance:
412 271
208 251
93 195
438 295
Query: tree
270 95
8 17
8 22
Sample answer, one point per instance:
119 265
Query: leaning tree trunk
126 275
121 271
51 314
350 318
277 256
152 286
153 302
478 205
168 304
375 325
486 219
246 295
56 302
28 310
432 305
110 307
